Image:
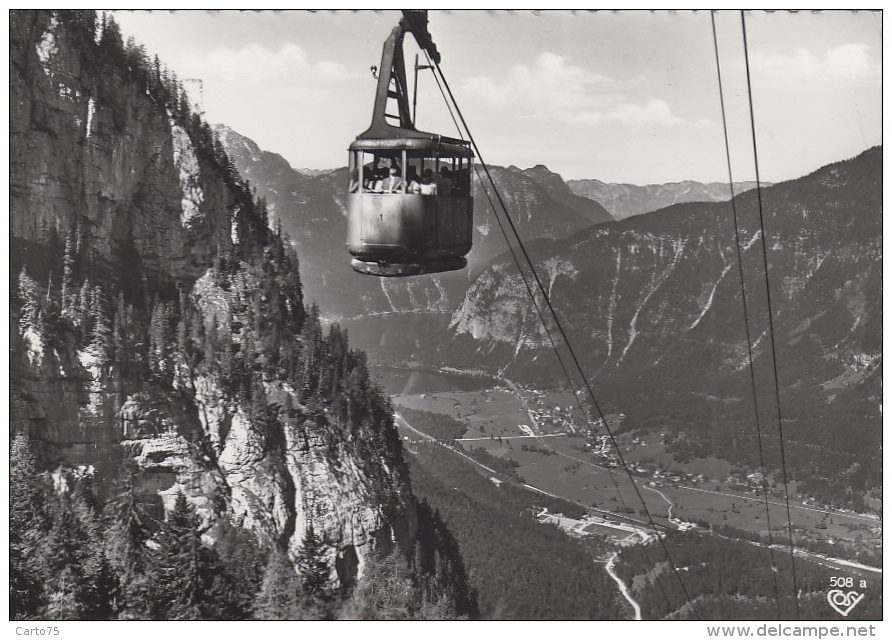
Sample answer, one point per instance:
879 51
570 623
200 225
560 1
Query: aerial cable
524 278
780 426
540 314
557 352
448 105
504 233
749 344
560 329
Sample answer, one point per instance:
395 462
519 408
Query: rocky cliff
159 319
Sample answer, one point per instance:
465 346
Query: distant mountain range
624 200
314 172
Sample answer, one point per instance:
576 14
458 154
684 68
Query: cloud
847 62
255 64
653 112
553 88
550 81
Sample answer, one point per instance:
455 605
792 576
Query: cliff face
144 269
91 148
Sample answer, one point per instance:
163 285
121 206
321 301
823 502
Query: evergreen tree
279 595
126 550
312 352
83 318
182 571
101 338
27 529
241 570
111 43
30 301
68 264
385 591
160 341
70 560
313 569
62 603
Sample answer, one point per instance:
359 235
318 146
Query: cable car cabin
409 201
409 206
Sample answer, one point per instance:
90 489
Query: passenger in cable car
369 176
445 182
394 182
463 181
375 180
412 183
428 186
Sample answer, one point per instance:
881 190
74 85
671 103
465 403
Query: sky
630 96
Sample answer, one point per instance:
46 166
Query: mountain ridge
655 299
623 200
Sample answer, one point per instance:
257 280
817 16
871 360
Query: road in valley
611 562
501 438
836 563
397 418
827 561
663 495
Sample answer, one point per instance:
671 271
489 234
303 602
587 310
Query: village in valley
541 439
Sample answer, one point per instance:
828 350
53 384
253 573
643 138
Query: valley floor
538 432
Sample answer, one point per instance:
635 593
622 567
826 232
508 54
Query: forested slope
177 405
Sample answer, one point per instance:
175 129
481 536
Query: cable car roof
439 145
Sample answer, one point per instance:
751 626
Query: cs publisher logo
844 602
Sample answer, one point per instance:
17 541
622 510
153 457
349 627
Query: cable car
409 201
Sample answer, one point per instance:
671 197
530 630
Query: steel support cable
539 312
780 427
502 228
560 329
504 233
749 344
525 280
554 346
448 106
